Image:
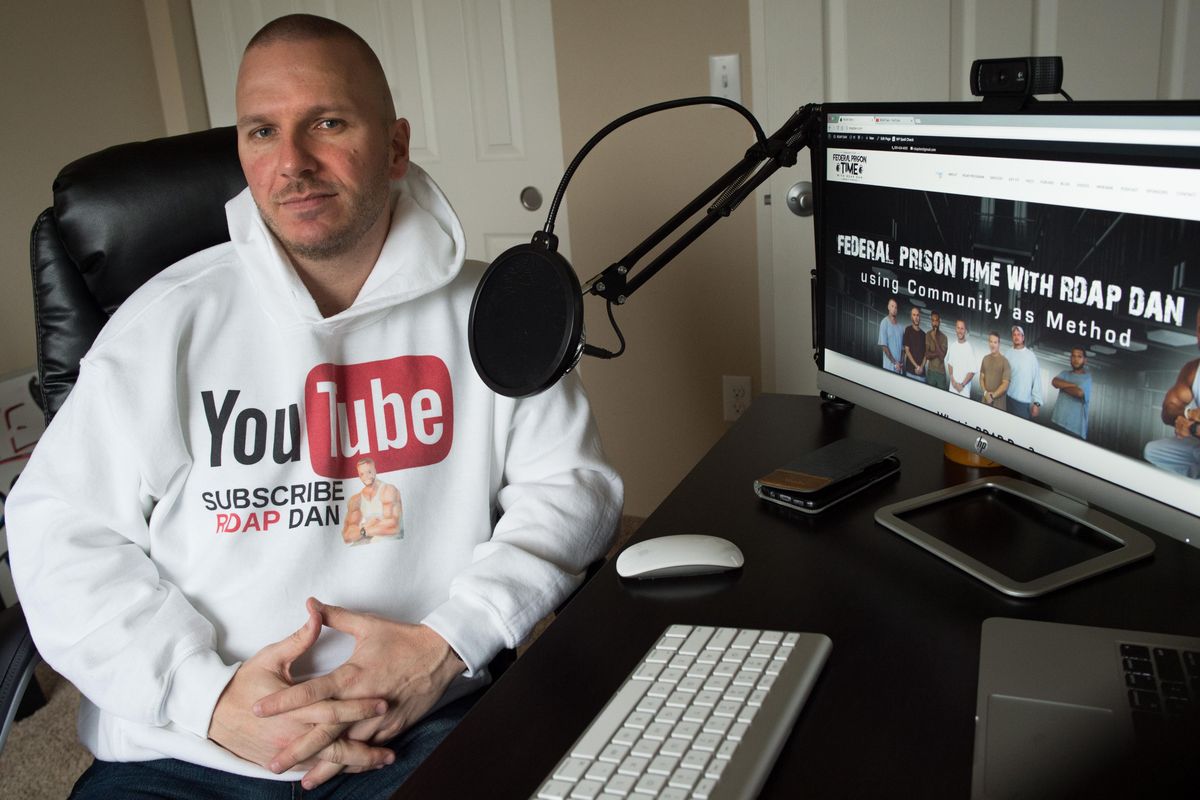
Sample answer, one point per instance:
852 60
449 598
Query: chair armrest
18 657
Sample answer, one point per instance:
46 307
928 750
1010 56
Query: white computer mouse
685 554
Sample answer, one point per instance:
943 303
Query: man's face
366 473
935 320
915 315
892 309
960 330
994 343
1018 337
316 146
1078 360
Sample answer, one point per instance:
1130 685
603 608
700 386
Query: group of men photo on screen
1008 377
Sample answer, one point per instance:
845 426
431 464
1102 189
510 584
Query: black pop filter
526 324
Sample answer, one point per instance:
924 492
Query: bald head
297 28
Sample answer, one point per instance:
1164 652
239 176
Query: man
1181 410
914 348
343 292
961 362
891 338
1074 395
1025 390
995 374
375 511
935 353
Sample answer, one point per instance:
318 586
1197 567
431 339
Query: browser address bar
1189 138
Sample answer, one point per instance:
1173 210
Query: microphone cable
759 135
600 352
552 214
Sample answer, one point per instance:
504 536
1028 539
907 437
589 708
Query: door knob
531 198
800 199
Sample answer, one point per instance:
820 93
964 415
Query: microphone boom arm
761 161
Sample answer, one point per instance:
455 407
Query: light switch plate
725 77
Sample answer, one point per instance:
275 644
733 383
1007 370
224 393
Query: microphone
526 325
525 330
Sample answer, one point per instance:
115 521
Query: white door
859 50
475 78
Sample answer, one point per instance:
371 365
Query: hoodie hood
424 251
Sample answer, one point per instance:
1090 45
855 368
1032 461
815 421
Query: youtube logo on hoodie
399 411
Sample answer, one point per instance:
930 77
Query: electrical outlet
735 392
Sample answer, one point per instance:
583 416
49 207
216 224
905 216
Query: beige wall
77 76
177 64
659 405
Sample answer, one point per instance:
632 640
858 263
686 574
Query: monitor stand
1018 538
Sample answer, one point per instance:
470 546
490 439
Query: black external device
818 501
825 476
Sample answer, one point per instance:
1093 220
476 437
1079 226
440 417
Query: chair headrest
126 212
121 216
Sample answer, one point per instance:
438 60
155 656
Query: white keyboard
703 715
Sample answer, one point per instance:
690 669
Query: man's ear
399 148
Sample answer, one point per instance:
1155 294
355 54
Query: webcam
1017 77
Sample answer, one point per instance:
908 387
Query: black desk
893 712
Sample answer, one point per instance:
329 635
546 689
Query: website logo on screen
848 165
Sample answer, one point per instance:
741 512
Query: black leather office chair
119 217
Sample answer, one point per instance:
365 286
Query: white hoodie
191 493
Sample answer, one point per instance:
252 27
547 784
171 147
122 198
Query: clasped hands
337 721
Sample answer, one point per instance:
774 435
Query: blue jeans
1175 454
170 779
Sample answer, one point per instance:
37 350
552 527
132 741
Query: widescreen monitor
1059 248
